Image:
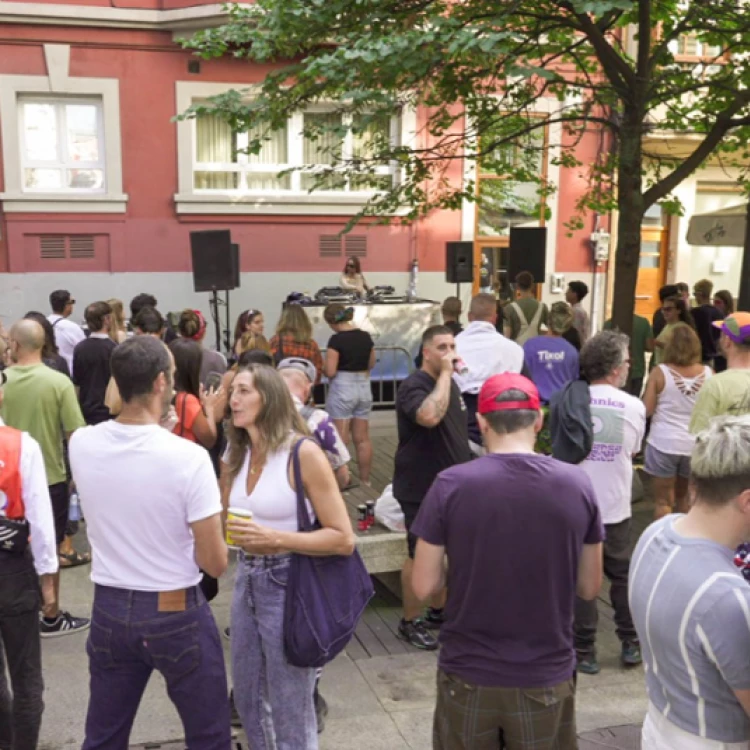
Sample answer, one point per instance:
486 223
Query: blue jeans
129 639
273 698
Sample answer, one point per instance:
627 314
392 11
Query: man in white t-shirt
67 333
485 353
619 422
153 516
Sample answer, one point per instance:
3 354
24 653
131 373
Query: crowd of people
517 436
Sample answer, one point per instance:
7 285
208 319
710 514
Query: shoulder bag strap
303 518
57 321
519 312
534 324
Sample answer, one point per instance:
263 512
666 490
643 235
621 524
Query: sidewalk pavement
383 702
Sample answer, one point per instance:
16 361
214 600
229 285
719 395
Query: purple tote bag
325 596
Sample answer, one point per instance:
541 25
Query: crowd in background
521 422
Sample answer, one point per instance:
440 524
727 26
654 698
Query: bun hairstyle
192 325
337 313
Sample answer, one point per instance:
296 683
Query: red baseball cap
499 384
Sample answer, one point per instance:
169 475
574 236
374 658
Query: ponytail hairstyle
336 313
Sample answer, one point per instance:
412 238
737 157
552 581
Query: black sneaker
587 664
415 633
321 709
434 618
64 624
631 653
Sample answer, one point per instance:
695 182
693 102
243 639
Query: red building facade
101 187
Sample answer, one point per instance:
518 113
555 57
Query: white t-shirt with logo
619 422
140 488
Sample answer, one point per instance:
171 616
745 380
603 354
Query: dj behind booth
395 323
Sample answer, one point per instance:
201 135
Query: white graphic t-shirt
619 422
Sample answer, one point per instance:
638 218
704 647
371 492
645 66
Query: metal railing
392 365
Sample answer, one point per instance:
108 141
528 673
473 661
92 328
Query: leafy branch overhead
494 83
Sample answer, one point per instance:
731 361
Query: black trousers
617 550
472 404
21 706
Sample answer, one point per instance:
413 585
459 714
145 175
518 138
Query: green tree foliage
488 77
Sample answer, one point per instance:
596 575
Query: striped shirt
691 608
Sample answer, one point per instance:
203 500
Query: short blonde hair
720 464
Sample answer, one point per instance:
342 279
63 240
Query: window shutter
61 246
52 247
81 246
329 245
355 245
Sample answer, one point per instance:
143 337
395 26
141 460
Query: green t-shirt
725 393
642 332
42 402
528 307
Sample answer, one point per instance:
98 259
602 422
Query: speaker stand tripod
215 303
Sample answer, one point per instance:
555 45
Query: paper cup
233 514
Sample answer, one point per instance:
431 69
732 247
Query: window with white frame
221 162
62 144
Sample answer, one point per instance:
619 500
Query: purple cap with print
736 327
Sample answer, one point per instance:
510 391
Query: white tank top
273 502
669 424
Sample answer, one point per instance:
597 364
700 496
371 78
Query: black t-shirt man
423 452
91 373
704 316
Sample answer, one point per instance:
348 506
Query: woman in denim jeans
349 360
274 699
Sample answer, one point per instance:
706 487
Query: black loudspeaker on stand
216 268
459 264
528 252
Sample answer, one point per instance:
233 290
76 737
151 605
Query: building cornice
174 20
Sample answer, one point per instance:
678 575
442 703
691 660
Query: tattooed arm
434 407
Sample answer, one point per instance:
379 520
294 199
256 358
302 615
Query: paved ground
378 702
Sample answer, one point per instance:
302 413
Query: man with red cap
523 535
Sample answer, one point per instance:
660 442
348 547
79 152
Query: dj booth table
396 328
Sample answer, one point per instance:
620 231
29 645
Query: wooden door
652 270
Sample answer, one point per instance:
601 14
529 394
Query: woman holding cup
257 477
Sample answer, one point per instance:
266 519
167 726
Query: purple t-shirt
551 363
513 526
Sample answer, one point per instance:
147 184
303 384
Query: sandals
74 559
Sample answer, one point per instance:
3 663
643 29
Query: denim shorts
665 465
349 395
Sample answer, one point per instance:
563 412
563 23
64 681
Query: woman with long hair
196 408
249 321
723 302
675 311
294 337
349 360
50 355
192 325
258 477
670 396
118 331
352 279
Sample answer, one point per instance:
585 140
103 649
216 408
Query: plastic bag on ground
388 511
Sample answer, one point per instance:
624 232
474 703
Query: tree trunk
630 207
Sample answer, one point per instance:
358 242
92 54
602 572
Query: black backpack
570 422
